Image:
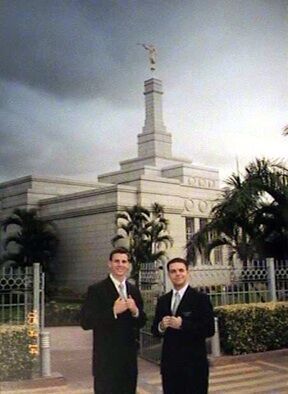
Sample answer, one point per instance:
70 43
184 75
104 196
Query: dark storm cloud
48 45
71 79
55 54
44 135
86 49
73 48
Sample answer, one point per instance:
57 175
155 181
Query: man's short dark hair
177 260
121 251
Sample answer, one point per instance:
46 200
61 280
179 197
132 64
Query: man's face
119 266
178 274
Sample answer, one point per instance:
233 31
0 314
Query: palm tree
144 233
230 224
32 239
270 180
251 217
131 228
159 239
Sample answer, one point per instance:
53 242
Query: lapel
183 300
129 289
168 299
113 293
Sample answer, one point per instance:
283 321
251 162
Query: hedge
252 328
244 328
16 361
62 314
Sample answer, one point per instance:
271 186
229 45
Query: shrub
65 294
62 314
16 361
252 328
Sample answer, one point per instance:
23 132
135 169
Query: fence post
223 295
36 295
45 353
215 340
42 321
27 295
43 339
271 279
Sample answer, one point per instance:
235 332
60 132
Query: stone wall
85 244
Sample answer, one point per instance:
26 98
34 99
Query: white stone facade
85 212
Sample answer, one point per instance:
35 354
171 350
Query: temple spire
154 140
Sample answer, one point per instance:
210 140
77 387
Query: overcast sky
71 82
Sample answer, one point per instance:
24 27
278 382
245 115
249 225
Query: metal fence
22 303
281 280
21 293
259 281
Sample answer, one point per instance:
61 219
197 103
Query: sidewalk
71 348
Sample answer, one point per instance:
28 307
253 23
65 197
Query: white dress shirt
117 283
180 292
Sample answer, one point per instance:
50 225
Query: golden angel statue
151 53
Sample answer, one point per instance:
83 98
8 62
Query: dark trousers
186 379
126 385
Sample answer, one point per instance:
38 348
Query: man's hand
175 322
132 306
172 322
165 323
120 306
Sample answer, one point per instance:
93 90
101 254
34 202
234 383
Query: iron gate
22 303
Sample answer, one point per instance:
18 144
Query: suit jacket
187 345
114 340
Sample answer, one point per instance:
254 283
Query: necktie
122 292
175 303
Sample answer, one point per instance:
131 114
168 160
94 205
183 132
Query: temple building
84 212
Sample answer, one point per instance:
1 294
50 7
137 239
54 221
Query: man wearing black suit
184 317
113 309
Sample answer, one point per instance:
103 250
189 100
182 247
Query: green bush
16 361
252 328
65 294
59 313
62 314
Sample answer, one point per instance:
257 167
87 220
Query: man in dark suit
113 309
184 317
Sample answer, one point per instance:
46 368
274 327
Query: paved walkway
259 376
254 374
